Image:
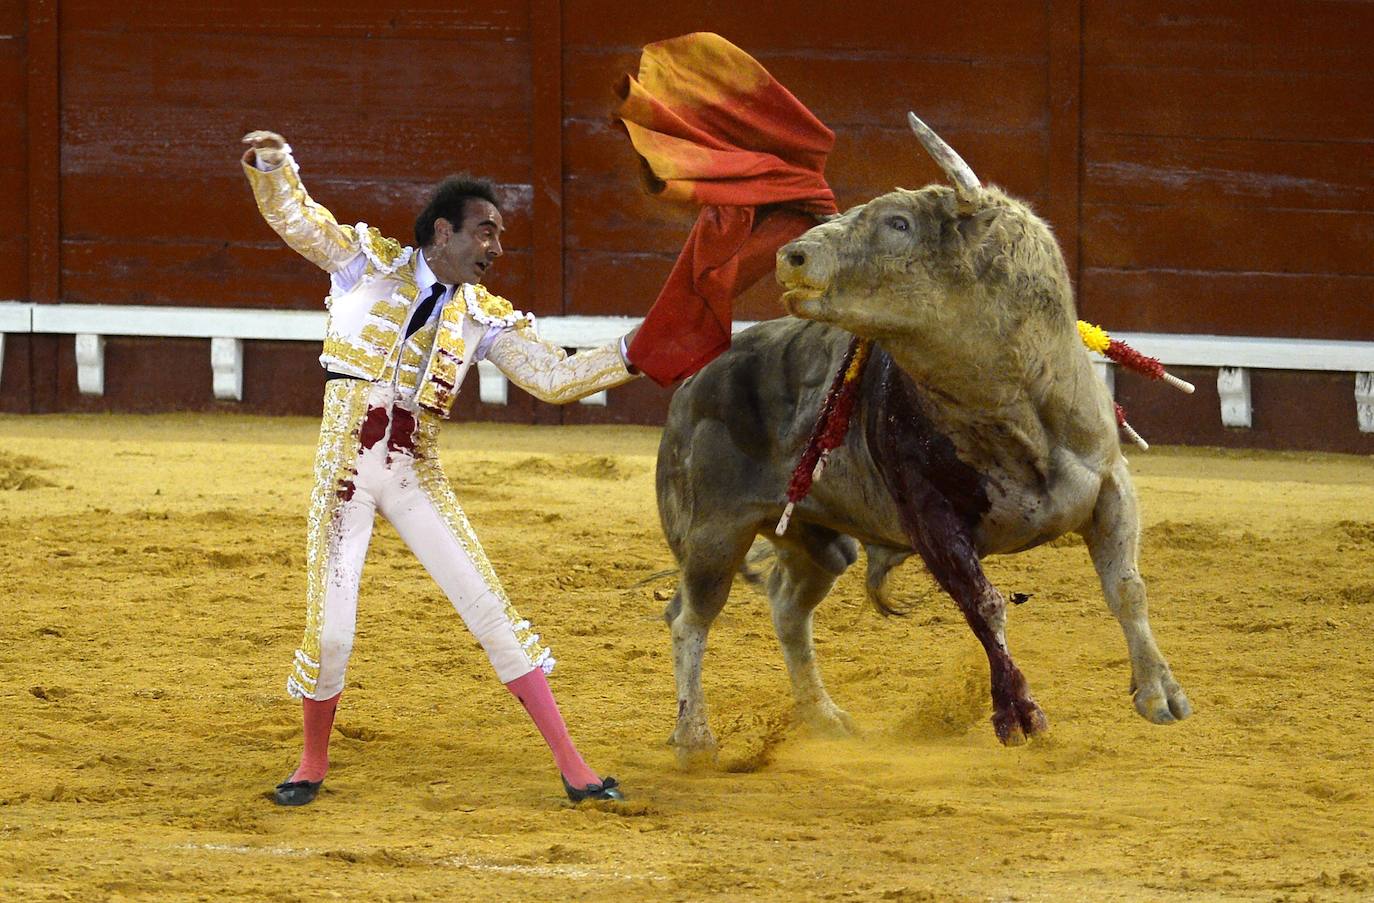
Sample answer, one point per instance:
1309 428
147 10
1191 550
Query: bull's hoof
695 748
828 720
1162 701
1019 721
698 758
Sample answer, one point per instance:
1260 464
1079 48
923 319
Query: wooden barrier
227 328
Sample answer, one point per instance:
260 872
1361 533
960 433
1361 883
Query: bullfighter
404 327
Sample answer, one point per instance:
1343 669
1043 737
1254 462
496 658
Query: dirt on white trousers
378 455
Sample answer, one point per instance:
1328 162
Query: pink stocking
317 718
534 694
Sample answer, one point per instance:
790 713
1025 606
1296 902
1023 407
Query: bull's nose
803 265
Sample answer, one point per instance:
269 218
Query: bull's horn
966 184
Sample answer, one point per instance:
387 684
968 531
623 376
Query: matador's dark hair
449 200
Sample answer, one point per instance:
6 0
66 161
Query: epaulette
385 254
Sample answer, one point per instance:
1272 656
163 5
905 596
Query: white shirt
345 277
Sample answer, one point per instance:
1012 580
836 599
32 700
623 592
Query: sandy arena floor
153 592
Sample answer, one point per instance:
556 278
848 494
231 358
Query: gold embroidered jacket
364 329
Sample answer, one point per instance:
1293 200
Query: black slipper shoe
608 789
296 793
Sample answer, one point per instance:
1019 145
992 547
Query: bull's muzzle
805 264
804 268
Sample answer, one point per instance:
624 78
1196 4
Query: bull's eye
899 223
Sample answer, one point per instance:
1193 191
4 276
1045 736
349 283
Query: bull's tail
759 563
881 561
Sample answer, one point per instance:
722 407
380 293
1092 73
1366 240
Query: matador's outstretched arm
306 226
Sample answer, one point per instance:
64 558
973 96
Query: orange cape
714 129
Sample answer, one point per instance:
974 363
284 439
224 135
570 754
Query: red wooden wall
1206 164
1228 188
13 153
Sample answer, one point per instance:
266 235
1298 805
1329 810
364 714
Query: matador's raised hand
268 148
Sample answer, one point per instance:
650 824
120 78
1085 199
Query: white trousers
378 455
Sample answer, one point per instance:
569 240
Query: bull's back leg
710 557
809 560
1113 539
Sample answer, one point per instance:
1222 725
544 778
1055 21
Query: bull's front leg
1113 539
946 545
1015 713
907 448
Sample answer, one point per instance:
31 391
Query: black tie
426 308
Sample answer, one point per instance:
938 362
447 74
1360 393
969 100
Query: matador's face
466 254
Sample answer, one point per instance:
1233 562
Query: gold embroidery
439 386
307 227
493 305
385 309
383 252
345 404
407 290
413 356
379 336
492 310
344 356
369 353
548 373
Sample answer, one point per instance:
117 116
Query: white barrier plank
1252 352
587 331
492 387
16 316
183 322
584 332
1233 356
1105 372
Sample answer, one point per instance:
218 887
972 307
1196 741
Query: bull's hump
774 373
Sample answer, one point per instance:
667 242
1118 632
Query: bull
979 429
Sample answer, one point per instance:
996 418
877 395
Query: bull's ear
974 227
